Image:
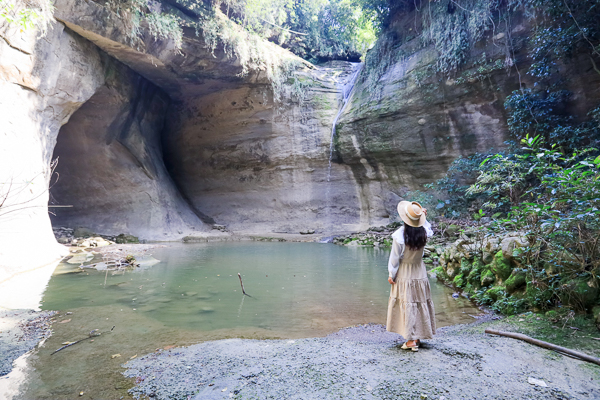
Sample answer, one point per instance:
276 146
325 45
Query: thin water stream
193 295
347 89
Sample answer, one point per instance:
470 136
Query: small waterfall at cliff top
347 90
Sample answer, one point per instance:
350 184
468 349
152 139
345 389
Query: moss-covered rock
487 277
552 315
465 266
495 293
452 230
441 274
459 280
452 269
583 292
487 257
538 295
123 238
501 267
515 281
596 314
474 276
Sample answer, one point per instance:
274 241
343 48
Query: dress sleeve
428 229
395 257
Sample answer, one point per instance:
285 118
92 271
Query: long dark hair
414 238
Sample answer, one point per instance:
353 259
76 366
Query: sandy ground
366 362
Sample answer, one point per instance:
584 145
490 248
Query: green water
194 294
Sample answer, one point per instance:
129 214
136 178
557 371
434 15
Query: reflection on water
297 289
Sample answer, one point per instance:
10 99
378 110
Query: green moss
474 277
510 305
501 266
437 270
487 277
459 280
583 295
465 266
495 293
469 289
441 274
552 315
123 238
515 281
538 295
596 314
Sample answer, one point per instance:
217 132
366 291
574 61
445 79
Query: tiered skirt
410 309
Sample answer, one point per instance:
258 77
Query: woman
410 309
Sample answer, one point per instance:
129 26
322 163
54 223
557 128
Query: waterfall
347 90
346 93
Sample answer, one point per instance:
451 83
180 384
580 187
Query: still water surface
194 294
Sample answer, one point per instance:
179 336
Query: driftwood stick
92 335
242 284
545 345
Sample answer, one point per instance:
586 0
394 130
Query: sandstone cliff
163 143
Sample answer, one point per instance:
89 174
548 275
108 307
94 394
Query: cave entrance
110 168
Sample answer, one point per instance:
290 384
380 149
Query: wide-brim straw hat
412 213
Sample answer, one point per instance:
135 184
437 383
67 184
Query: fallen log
546 345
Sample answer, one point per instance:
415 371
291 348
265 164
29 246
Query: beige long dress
410 309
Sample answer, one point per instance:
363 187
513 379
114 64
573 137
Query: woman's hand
425 211
391 281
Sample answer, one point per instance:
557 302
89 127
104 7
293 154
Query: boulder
516 281
501 267
459 280
487 278
451 230
495 293
509 244
124 238
487 257
452 269
83 233
584 292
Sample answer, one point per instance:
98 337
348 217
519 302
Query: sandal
413 348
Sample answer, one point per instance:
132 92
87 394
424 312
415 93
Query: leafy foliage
160 24
27 14
313 29
554 198
544 113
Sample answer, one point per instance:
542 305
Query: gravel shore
21 331
365 362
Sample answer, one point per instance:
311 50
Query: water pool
193 294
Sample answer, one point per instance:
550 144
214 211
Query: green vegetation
548 201
316 30
544 192
27 15
135 13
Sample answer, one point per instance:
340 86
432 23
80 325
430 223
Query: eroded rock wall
112 178
261 166
42 82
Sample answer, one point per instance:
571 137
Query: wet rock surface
364 362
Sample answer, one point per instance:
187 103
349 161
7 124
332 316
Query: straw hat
412 213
